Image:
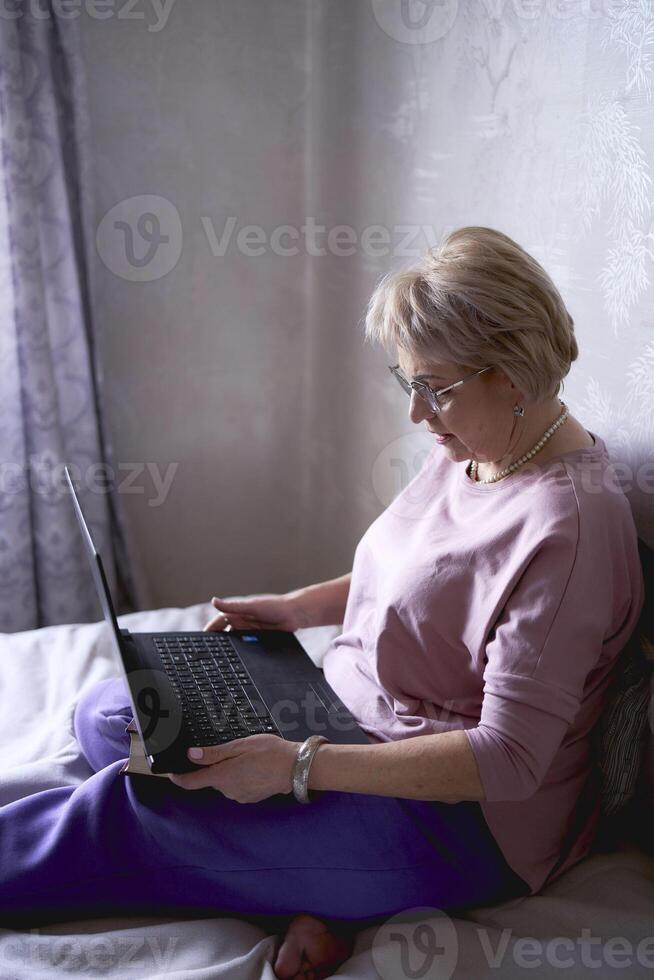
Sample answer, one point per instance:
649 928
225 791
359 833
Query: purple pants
118 845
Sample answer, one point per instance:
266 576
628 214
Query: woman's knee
100 718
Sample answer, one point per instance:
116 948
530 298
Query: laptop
202 688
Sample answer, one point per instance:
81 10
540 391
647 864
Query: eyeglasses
430 395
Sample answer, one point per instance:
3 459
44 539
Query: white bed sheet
43 672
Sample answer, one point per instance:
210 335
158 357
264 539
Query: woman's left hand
246 770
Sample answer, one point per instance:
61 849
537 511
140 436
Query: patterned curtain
48 391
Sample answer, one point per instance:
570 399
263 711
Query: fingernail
195 753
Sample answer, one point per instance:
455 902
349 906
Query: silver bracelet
302 764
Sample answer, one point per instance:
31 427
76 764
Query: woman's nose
419 410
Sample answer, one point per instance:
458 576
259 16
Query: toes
293 964
310 950
288 960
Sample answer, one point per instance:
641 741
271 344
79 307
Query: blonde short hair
478 299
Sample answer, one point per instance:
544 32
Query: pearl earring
518 410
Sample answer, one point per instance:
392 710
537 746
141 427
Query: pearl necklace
527 456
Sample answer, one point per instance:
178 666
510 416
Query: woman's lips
441 437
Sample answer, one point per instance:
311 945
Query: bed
596 919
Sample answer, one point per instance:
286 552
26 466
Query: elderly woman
481 621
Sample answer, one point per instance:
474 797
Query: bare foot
312 949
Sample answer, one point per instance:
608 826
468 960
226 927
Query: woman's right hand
259 612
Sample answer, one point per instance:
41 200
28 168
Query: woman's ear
511 391
505 381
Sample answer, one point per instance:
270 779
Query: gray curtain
48 389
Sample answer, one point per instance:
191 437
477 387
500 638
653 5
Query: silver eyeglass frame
425 391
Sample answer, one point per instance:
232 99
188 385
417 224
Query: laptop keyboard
218 697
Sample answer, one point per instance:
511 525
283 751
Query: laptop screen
97 570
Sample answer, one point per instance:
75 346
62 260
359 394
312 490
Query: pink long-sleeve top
499 609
